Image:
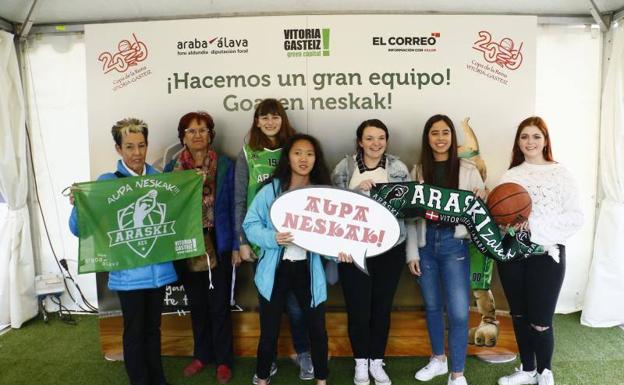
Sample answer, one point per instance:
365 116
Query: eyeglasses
194 131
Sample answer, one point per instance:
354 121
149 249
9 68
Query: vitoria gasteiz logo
129 53
306 42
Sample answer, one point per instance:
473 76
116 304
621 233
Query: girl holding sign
270 129
532 285
284 268
444 264
369 297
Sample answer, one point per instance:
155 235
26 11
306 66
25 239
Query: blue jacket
145 277
260 231
227 239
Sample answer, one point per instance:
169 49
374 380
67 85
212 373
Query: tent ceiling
80 11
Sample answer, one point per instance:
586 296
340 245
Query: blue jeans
445 280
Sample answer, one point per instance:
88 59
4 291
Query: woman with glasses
207 278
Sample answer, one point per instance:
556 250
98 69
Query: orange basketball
509 203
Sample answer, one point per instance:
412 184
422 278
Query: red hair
199 116
517 157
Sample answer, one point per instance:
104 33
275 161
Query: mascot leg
486 333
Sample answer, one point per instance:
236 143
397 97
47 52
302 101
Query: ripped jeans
532 288
445 282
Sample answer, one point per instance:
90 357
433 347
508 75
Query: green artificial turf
57 353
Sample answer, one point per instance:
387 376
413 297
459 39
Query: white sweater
555 214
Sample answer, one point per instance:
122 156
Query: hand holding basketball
509 204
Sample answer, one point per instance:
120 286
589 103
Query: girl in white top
532 285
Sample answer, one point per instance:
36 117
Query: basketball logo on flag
141 223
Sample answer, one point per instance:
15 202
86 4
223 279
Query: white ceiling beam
79 27
618 15
5 25
603 21
24 28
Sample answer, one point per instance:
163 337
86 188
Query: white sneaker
458 381
520 377
361 372
379 374
546 378
435 367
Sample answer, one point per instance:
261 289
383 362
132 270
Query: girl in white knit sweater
532 285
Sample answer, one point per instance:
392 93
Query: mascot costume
481 267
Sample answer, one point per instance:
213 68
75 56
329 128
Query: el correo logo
141 223
408 43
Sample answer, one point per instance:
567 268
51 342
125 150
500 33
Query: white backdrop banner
332 72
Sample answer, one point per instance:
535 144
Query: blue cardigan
225 231
260 231
144 277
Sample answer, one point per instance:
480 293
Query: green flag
411 199
137 221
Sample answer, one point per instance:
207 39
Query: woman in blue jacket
207 278
141 290
284 266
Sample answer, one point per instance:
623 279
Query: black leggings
141 311
210 313
369 300
532 288
295 277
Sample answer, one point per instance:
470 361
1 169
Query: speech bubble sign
328 220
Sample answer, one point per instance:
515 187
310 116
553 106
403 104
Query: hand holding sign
331 221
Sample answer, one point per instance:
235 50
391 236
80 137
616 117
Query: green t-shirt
260 164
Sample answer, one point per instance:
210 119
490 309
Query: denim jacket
397 172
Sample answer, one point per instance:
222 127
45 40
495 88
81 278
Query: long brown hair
517 157
257 139
427 159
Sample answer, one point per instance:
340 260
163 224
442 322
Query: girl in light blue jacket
284 266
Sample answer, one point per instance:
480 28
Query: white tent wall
17 285
602 306
58 121
568 97
569 62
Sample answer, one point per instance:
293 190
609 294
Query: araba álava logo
212 46
329 221
141 223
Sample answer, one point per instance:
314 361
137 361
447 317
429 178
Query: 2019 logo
129 53
506 53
